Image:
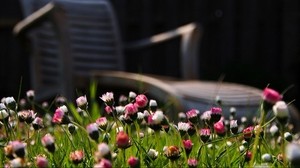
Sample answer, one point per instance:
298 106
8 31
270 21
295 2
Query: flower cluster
134 130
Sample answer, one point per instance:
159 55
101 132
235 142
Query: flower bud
192 163
48 142
192 116
216 114
288 136
93 131
153 105
188 145
233 126
82 102
30 95
204 134
153 154
123 140
133 162
141 101
41 161
37 123
172 152
220 128
108 98
77 156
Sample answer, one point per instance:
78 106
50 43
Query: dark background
253 42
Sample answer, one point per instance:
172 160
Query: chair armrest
33 19
189 44
162 37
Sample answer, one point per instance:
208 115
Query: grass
143 129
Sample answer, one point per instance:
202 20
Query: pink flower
93 131
102 122
41 161
26 115
18 148
77 156
123 140
82 102
131 111
58 116
108 109
133 162
271 96
192 115
104 151
108 98
192 163
205 134
104 163
216 113
48 142
37 123
141 100
219 128
188 145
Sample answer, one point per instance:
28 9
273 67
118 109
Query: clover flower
77 156
141 101
133 162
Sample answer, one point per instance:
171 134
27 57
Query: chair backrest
79 37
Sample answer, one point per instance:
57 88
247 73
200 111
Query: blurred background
249 42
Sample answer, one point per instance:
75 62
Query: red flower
123 140
133 162
271 96
141 100
248 132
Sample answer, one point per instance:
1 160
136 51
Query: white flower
184 126
64 108
232 110
152 103
233 124
280 109
206 115
244 119
288 136
152 153
140 115
242 148
81 101
30 93
158 117
108 96
132 95
103 149
120 109
292 151
274 129
2 106
3 114
266 157
229 143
